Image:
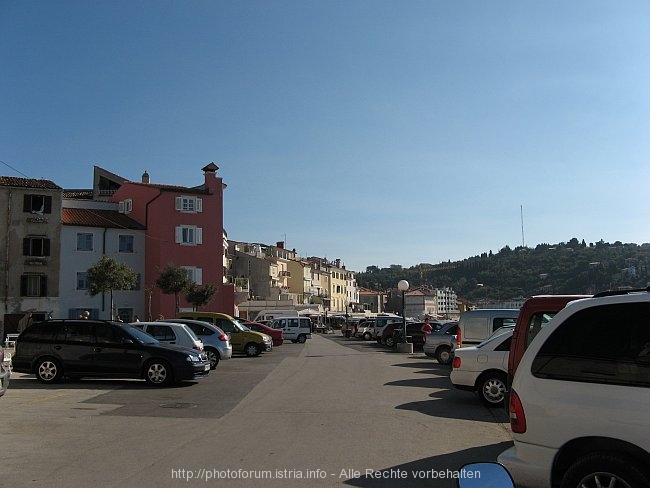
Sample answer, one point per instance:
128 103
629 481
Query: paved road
331 412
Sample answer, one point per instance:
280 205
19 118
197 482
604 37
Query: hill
572 267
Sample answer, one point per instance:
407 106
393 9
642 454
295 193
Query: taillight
517 416
198 347
458 341
456 363
223 337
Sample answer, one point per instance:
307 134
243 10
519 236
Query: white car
171 333
579 399
484 368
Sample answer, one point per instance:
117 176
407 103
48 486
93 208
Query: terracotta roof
178 189
80 194
28 183
98 218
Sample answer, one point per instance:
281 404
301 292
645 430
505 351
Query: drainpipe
103 294
6 297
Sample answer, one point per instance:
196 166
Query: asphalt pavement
331 412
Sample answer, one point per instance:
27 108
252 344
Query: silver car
171 333
5 372
440 343
216 343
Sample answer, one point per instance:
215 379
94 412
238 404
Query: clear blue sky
379 132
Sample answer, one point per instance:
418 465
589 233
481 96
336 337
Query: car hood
173 347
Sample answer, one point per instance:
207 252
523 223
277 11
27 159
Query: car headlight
267 339
193 359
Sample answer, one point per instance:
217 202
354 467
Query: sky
377 132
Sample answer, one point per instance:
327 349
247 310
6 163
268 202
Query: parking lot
335 409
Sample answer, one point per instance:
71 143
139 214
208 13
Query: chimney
145 177
280 245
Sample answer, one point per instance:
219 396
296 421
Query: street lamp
402 286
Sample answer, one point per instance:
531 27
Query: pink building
184 226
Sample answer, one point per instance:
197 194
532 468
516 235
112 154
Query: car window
161 332
79 332
140 336
499 322
294 322
537 322
108 334
605 344
200 330
505 345
226 325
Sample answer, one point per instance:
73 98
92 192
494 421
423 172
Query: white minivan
295 329
475 326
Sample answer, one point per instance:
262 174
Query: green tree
174 280
108 275
200 295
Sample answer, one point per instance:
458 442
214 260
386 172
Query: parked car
363 329
5 372
393 333
475 326
171 333
579 398
77 348
381 321
216 343
296 329
440 343
242 339
483 368
276 335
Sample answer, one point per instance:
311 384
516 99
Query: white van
475 326
272 314
295 329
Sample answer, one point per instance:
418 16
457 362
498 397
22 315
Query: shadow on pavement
436 471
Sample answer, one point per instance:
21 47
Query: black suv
77 348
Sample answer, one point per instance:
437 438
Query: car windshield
239 326
140 336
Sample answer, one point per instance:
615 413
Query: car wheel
367 336
252 350
158 373
390 341
48 370
302 338
492 389
601 469
213 357
443 355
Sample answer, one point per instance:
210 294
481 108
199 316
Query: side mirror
484 475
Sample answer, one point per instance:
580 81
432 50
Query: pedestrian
136 318
426 327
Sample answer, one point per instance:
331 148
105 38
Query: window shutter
120 207
23 286
48 205
179 203
46 247
199 205
43 283
179 235
198 276
199 235
27 203
26 246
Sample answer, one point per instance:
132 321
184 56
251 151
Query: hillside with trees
573 267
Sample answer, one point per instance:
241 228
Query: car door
74 346
115 352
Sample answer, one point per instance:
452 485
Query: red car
276 334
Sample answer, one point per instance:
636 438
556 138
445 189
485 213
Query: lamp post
404 346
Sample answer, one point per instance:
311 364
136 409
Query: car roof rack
620 292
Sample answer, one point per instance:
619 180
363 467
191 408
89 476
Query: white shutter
179 235
179 203
199 205
198 275
120 207
199 235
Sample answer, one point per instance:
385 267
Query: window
108 334
607 344
189 234
37 204
537 322
161 332
84 241
189 204
36 246
200 330
500 322
33 285
125 243
194 274
125 206
79 332
82 280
